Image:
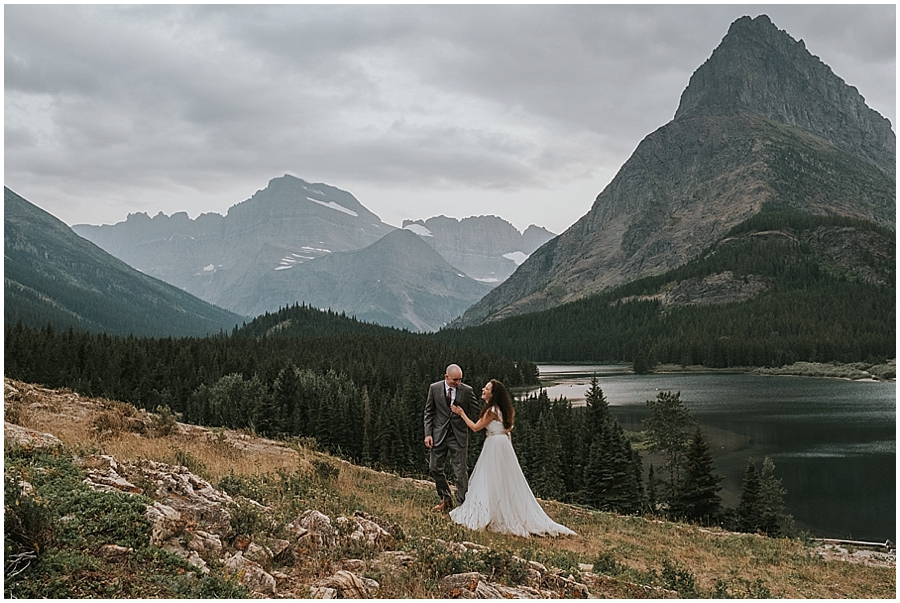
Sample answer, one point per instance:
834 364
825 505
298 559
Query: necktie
449 396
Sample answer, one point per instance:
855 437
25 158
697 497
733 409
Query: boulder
250 574
349 585
165 522
29 438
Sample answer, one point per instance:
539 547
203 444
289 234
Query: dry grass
638 545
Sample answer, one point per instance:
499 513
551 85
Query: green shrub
27 526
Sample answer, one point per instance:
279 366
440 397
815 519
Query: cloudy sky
521 111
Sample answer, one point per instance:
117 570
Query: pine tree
666 426
698 497
771 500
284 395
548 482
651 490
749 515
612 473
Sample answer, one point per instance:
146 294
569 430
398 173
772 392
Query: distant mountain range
53 276
487 248
398 281
289 242
762 122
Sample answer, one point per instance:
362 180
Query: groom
445 431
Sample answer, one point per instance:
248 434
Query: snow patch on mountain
333 205
419 230
516 256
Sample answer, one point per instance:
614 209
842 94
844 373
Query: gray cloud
525 111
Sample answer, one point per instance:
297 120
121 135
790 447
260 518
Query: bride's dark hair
500 398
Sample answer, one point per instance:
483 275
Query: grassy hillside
271 482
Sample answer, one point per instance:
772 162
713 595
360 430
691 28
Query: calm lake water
833 441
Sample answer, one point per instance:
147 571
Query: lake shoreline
854 371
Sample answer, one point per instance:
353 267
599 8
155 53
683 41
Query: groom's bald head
453 375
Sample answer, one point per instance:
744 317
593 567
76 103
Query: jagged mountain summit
762 121
207 256
53 276
398 281
486 248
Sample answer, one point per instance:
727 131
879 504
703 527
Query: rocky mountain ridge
248 260
762 121
397 281
486 248
208 256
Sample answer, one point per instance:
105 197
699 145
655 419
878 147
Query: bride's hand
457 409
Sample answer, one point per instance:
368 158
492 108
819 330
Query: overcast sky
521 111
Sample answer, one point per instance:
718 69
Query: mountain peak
761 70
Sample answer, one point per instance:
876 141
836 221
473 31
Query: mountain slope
51 275
781 287
486 248
209 255
397 281
761 121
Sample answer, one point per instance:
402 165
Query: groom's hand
429 442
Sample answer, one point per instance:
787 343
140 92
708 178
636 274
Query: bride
499 498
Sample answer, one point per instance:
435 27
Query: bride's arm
482 422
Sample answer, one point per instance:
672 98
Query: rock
197 561
260 554
109 481
469 585
566 587
393 560
250 574
114 551
165 522
521 592
357 566
277 546
393 529
29 438
348 584
205 542
366 531
191 495
318 528
321 592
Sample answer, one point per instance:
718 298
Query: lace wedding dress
499 498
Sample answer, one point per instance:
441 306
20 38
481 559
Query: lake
833 441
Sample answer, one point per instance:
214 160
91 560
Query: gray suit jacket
440 422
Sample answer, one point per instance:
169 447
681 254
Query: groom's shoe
444 507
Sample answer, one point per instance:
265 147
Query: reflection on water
833 441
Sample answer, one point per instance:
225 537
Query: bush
27 527
164 421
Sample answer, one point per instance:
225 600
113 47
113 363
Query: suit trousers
459 462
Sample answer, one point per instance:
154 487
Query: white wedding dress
499 498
